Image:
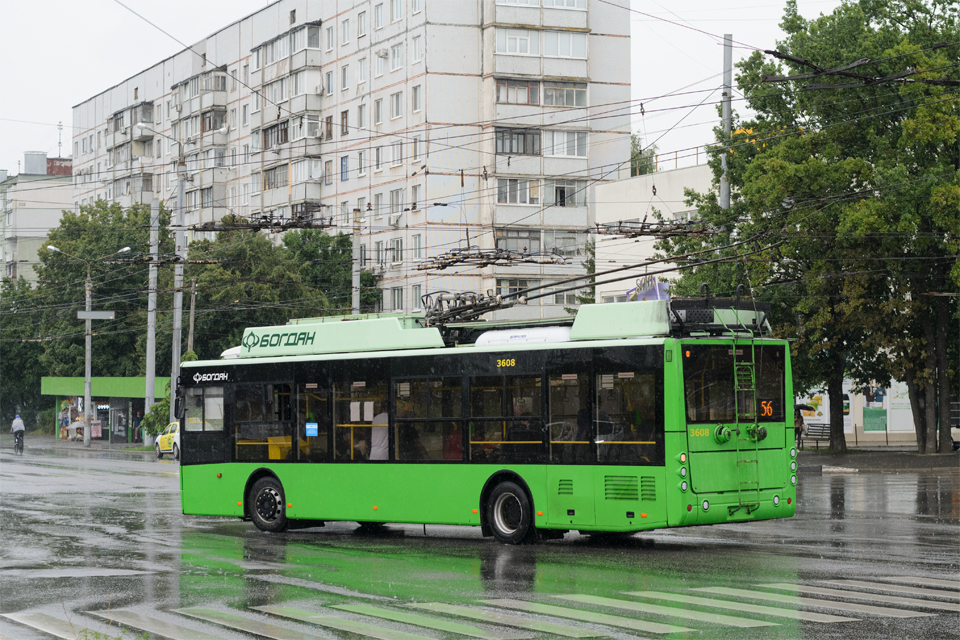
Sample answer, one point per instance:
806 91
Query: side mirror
178 407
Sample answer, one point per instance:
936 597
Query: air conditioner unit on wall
381 53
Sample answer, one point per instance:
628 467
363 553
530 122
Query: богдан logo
211 377
250 341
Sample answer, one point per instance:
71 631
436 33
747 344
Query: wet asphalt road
95 531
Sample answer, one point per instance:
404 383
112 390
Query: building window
276 177
378 111
415 203
396 296
522 42
417 48
564 44
361 24
417 5
344 77
233 118
361 163
565 4
344 168
396 201
518 142
565 193
415 98
526 3
518 191
565 143
362 70
518 91
564 243
380 62
415 143
416 295
362 207
330 83
507 286
345 31
396 105
416 247
396 249
378 158
519 240
305 126
378 206
328 127
328 172
330 39
564 94
396 152
396 10
344 123
276 135
313 37
362 116
396 57
245 114
378 17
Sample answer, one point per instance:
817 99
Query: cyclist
17 430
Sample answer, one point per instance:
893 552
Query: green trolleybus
631 416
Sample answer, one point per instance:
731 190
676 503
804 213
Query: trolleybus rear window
722 382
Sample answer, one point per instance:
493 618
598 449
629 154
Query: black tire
267 506
510 514
176 452
18 445
159 453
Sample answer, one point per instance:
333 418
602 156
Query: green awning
102 387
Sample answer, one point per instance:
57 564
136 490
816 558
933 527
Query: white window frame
396 105
331 39
344 77
378 111
416 98
416 293
417 48
415 203
361 70
378 159
577 5
517 191
415 143
396 153
345 31
378 16
379 66
396 11
361 163
396 57
396 298
361 24
564 39
416 248
361 117
518 39
557 143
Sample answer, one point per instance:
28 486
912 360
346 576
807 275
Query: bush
46 422
158 417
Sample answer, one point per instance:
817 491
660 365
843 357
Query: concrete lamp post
88 315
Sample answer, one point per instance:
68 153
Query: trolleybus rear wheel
266 504
509 514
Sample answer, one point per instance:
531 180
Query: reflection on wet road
97 541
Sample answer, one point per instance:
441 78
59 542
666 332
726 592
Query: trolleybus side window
569 424
428 424
262 425
193 409
361 420
505 420
629 418
313 421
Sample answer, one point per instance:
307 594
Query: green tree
326 264
642 161
859 185
588 294
20 352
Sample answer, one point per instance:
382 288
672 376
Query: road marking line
152 625
586 616
342 624
880 586
859 595
809 616
56 626
430 623
508 620
814 602
656 609
930 582
240 623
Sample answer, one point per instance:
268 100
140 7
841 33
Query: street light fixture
88 335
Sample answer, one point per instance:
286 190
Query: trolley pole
727 90
86 362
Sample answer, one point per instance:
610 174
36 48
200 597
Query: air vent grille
565 488
620 487
648 489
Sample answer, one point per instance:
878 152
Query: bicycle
18 442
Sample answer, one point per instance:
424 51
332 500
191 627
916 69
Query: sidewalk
51 442
877 460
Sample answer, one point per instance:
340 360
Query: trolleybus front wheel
509 514
266 505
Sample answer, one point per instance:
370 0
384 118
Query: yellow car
169 441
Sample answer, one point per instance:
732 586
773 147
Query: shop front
118 406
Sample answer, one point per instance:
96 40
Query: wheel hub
508 513
268 504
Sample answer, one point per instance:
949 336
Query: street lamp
86 363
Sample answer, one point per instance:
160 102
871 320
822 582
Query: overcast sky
57 53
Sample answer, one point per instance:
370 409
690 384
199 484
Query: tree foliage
642 160
859 187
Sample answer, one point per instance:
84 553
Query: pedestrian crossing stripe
930 582
809 616
814 602
508 620
341 624
660 610
56 627
880 586
429 623
587 616
152 625
860 595
241 623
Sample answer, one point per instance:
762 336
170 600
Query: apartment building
448 123
30 206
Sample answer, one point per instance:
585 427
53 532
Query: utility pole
727 90
356 261
152 305
86 363
178 282
193 302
